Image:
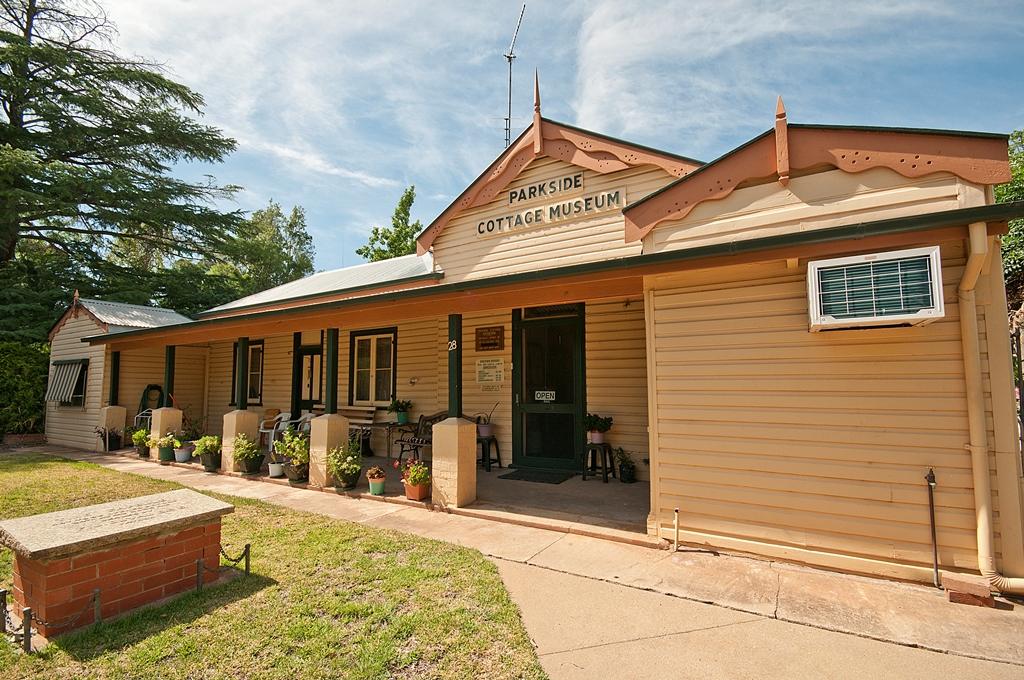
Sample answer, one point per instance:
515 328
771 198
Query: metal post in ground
199 574
26 627
246 559
97 616
3 612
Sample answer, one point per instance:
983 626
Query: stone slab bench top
69 532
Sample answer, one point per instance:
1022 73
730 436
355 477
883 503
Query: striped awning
63 379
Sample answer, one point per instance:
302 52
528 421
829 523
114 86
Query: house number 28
453 345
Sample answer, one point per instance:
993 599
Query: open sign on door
544 395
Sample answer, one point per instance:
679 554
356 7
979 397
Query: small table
390 427
604 450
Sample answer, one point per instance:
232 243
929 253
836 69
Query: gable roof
789 148
347 279
116 317
545 137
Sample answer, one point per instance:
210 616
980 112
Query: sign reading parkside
574 207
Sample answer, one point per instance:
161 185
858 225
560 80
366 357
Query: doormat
542 476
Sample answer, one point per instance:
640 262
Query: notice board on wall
490 338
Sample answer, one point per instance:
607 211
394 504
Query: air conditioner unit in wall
897 288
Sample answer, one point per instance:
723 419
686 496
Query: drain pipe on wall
930 480
978 252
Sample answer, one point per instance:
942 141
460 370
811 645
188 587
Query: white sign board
490 370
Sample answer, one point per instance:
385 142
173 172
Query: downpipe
978 252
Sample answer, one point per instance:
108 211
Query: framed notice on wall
490 371
490 338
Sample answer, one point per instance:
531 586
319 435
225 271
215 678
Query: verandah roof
607 278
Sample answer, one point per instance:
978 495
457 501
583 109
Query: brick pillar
235 423
113 418
454 462
166 419
325 432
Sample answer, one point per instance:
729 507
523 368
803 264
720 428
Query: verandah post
169 352
454 365
242 375
331 388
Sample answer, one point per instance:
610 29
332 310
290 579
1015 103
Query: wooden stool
485 444
604 450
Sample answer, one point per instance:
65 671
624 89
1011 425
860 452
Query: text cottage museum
564 209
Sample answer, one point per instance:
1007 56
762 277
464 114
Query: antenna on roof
510 56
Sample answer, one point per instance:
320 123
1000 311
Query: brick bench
134 552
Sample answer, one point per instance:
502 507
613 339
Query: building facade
788 338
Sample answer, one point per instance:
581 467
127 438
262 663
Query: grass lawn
327 599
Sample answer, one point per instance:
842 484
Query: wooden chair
422 437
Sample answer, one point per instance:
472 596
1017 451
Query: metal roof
369 274
121 314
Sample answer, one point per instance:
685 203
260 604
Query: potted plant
294 446
248 455
484 426
140 438
275 466
110 437
183 451
345 463
627 468
596 427
208 451
165 447
375 476
401 408
416 478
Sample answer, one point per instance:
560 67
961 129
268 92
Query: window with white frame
372 367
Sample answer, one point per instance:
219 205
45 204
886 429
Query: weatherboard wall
809 446
73 425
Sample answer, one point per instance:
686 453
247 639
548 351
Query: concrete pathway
594 606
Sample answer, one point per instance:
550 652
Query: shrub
140 437
596 423
375 472
415 472
294 446
165 442
24 368
245 448
346 460
210 444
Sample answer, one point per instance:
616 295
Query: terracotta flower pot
417 492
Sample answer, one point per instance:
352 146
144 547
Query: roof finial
538 135
781 143
536 92
74 299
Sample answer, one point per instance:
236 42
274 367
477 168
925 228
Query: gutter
999 212
978 253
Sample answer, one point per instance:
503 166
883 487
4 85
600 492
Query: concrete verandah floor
597 608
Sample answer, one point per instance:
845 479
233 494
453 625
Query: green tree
271 248
88 137
1013 242
398 239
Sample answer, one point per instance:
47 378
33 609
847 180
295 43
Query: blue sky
337 106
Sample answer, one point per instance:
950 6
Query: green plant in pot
416 478
484 426
294 446
401 408
164 447
627 468
345 463
247 455
111 438
208 452
140 438
376 476
596 427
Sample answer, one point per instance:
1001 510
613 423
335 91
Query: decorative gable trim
792 150
563 142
